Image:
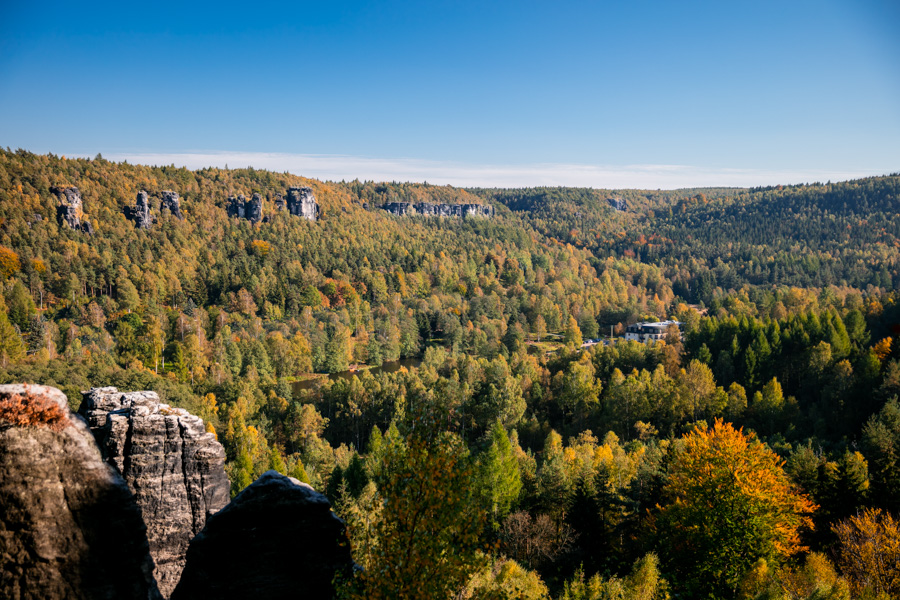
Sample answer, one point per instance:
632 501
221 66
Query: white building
644 332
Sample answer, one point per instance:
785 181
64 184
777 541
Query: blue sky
625 94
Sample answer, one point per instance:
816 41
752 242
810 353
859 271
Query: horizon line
336 167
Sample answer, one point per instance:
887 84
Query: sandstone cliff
429 209
69 526
302 202
277 539
140 212
242 208
618 204
69 210
173 466
170 200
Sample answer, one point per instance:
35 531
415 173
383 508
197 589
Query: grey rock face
302 202
277 539
618 203
236 207
140 212
398 208
253 209
439 210
242 208
69 209
170 200
175 469
69 526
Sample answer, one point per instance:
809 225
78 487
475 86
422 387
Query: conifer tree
500 479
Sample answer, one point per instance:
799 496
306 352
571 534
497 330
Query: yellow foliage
38 265
261 247
9 262
883 348
869 552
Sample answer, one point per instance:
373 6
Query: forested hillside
756 455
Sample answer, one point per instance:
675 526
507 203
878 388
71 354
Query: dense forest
754 453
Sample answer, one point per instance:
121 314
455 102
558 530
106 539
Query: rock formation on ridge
171 201
173 466
277 539
302 202
618 203
242 208
69 526
253 209
429 209
69 209
140 212
235 206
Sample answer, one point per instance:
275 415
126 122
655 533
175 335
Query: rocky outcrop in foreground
277 539
439 210
172 465
69 526
69 209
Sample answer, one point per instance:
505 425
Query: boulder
277 539
175 469
69 526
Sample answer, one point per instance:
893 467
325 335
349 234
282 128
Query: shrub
32 410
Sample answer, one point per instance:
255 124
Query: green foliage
429 529
643 583
573 333
499 476
12 349
882 446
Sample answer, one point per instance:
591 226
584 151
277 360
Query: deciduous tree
730 503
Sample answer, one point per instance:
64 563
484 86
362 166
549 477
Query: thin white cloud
337 168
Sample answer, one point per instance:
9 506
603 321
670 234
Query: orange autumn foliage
9 263
32 410
883 348
730 504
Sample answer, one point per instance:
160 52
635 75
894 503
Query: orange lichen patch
34 410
